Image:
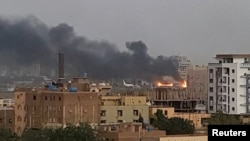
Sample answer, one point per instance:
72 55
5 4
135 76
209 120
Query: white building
229 84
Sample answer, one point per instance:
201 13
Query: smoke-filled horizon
28 41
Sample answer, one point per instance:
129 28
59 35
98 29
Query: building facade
228 84
70 103
7 120
118 109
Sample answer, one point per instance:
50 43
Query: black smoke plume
28 41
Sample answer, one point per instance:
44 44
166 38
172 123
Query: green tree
82 132
6 135
220 119
173 125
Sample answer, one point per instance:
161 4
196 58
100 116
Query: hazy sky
198 29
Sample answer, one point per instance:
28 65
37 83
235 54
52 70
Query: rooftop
220 56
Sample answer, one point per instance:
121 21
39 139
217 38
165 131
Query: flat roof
232 56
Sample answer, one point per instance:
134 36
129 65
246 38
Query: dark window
103 113
210 70
232 99
34 97
45 97
211 89
233 71
233 108
59 98
136 112
233 90
166 112
232 80
211 81
119 112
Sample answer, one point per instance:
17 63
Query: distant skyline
198 29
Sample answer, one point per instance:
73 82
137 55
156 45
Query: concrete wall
128 115
176 138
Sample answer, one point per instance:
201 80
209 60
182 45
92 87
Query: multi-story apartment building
117 109
57 104
228 84
197 84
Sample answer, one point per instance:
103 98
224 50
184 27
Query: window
135 120
233 108
166 112
211 108
233 71
136 112
211 89
210 70
1 120
211 81
233 90
103 121
119 121
45 97
103 113
59 98
119 113
233 99
34 97
10 121
232 80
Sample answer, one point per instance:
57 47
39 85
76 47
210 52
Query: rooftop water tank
73 89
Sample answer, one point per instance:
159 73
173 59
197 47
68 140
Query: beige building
196 118
177 138
197 84
7 118
56 105
123 109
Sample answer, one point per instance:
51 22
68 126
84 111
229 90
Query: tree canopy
174 125
83 132
224 119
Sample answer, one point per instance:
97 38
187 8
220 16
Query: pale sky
198 29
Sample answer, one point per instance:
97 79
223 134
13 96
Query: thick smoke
28 41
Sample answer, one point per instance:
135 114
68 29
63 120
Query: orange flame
184 84
164 85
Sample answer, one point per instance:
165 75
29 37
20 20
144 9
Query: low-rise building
124 109
196 118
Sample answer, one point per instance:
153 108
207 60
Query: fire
164 85
184 84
